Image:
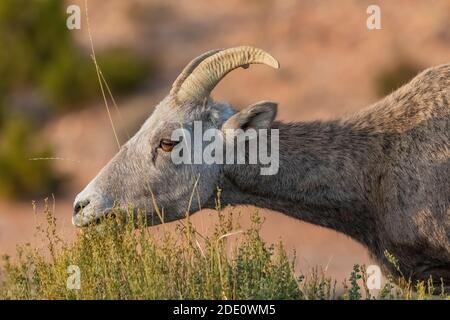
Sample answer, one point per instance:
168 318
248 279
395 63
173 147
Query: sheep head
143 175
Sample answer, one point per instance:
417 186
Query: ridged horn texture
189 68
202 74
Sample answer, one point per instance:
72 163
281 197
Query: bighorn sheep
381 176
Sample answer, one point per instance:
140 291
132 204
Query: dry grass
121 259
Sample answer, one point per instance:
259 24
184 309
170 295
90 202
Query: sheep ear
257 116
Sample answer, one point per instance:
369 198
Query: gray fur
381 176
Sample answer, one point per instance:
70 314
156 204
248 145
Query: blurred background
51 105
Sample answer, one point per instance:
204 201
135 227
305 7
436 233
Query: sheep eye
167 145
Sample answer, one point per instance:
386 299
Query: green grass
21 178
44 73
121 259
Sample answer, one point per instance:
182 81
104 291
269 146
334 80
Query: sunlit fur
381 176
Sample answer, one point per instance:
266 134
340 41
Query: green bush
21 177
70 81
39 56
32 33
73 79
124 70
117 261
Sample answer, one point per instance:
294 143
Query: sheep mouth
83 219
108 214
117 214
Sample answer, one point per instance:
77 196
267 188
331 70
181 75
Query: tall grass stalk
123 259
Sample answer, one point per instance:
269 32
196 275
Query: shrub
72 80
19 176
125 70
33 34
42 67
118 262
41 55
122 259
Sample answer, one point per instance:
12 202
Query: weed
122 259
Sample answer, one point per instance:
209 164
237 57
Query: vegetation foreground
121 259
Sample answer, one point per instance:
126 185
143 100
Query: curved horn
205 74
189 68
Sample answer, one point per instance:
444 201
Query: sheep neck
323 178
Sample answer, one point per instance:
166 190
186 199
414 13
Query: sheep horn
200 77
189 68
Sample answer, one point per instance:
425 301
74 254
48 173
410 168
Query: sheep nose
79 206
